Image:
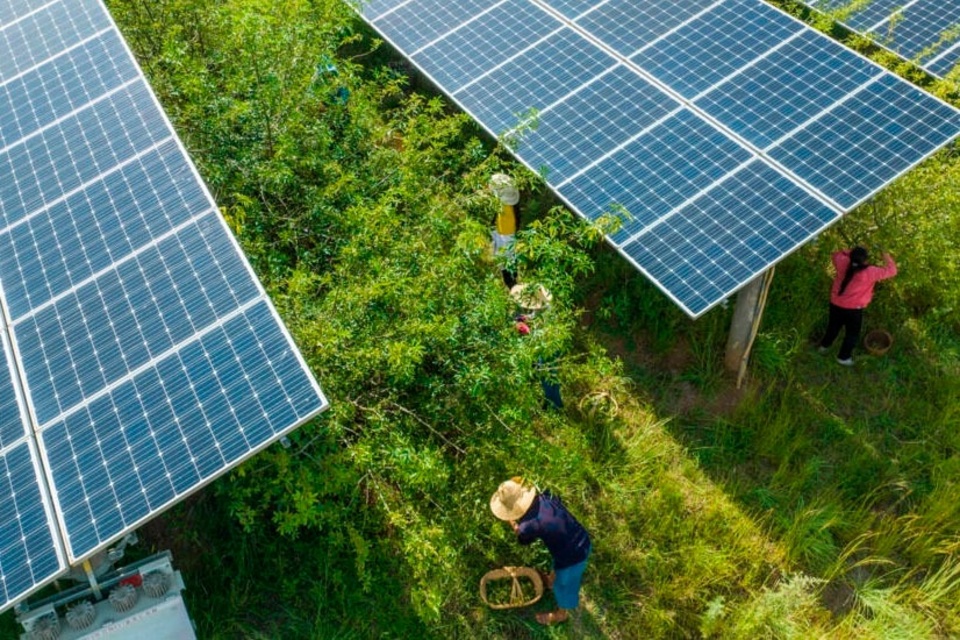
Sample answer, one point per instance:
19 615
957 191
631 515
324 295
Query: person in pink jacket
851 293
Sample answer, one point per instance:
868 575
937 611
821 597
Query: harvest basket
598 404
512 596
877 342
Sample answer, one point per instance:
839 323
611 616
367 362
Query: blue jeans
566 585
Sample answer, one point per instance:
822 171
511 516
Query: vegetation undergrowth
814 502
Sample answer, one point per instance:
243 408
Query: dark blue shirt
548 520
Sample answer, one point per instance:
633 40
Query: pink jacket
859 291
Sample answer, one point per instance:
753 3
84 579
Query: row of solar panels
141 357
730 132
925 31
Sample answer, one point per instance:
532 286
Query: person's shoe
552 617
847 363
822 349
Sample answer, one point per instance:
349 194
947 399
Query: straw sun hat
531 297
512 499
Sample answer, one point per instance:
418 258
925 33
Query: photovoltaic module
727 133
141 357
924 31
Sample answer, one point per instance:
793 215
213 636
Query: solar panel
725 131
924 31
29 556
149 357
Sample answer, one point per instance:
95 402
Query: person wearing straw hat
532 299
541 516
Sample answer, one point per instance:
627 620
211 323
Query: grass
849 473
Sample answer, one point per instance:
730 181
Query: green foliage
815 503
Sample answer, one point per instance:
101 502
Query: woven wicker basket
877 342
516 590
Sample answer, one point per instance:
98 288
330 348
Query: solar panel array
728 131
924 31
142 358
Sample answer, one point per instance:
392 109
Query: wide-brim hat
512 499
532 297
504 188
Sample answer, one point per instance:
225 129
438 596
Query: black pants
851 320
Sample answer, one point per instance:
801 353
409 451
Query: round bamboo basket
517 596
877 342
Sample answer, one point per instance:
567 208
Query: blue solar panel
921 24
864 16
706 50
29 102
797 82
867 140
143 444
12 426
924 31
648 109
596 120
666 165
30 555
374 8
534 79
572 9
412 26
628 25
10 11
478 46
150 357
727 235
37 36
944 62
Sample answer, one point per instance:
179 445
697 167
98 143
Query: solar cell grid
656 172
373 9
728 235
945 61
66 82
571 9
868 140
12 427
38 36
79 237
594 121
174 425
152 302
870 14
29 555
12 11
784 90
469 52
95 139
921 25
718 44
627 26
534 79
412 26
924 31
